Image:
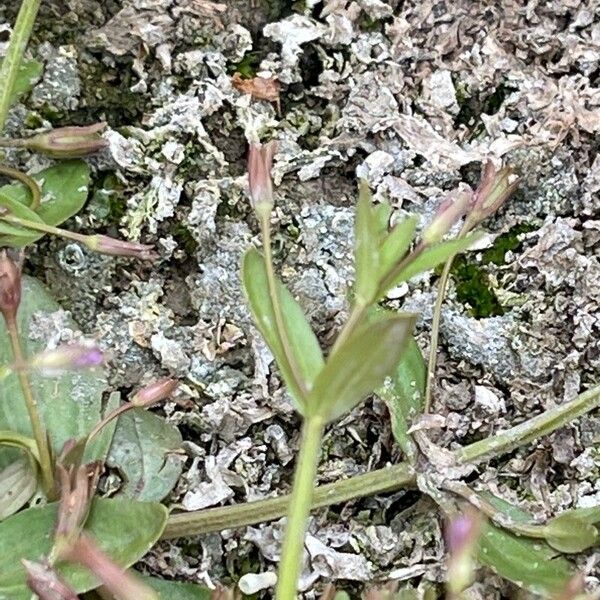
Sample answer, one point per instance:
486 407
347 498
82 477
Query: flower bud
118 582
107 245
462 535
71 357
44 581
77 488
260 161
68 142
155 392
494 189
10 288
451 210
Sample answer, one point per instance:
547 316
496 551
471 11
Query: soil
411 96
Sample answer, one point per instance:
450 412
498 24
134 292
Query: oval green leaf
144 450
304 345
29 74
18 482
360 365
404 393
64 192
124 529
569 533
70 404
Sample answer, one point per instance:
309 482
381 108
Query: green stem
435 334
34 188
37 427
265 227
239 515
356 316
39 226
380 481
290 564
528 431
14 55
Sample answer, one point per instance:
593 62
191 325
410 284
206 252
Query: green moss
248 66
473 288
184 238
108 201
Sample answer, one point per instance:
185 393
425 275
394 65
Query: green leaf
70 404
29 74
64 192
175 590
17 209
404 394
530 563
431 257
304 344
366 254
569 533
382 213
124 529
396 244
144 451
18 482
360 365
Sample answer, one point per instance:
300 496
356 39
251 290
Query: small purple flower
155 392
10 288
114 247
260 160
71 357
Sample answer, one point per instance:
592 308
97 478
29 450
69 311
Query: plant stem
380 481
435 324
265 228
356 316
14 55
37 427
541 425
34 188
39 226
290 564
239 515
435 334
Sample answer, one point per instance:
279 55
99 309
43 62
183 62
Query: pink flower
155 392
260 161
107 245
10 288
69 357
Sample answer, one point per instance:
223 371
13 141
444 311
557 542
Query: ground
411 96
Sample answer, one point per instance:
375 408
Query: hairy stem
380 481
14 55
538 426
37 427
299 383
43 227
34 188
239 515
299 506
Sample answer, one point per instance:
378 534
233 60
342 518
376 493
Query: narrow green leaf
306 349
531 564
175 590
431 257
403 394
366 240
569 533
17 209
64 192
360 365
124 529
144 450
29 74
382 213
18 482
396 244
70 404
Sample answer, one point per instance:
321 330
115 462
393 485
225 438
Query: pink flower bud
462 534
155 392
68 142
10 288
114 247
260 161
494 189
72 357
450 211
44 581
